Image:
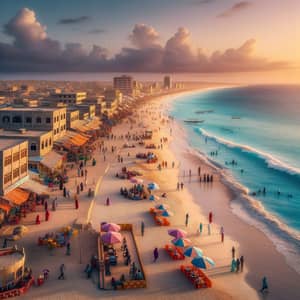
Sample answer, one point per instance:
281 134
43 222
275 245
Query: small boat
193 121
204 111
235 117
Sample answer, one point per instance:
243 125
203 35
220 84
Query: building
39 142
44 119
112 97
14 163
72 117
167 82
124 84
67 98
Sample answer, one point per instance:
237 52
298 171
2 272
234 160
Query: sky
207 36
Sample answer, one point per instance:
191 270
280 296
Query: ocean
252 134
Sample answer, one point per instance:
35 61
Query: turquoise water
259 128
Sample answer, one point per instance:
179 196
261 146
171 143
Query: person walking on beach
47 215
187 220
107 201
233 252
181 185
222 234
208 229
238 265
210 217
199 171
200 228
142 228
46 205
62 272
54 204
155 254
242 262
264 286
233 265
76 202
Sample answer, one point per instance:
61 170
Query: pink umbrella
177 233
110 227
111 237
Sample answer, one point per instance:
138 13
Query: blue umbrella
162 206
193 252
151 198
153 186
182 242
200 262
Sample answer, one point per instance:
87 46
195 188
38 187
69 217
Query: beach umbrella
111 237
151 198
110 227
193 252
177 233
153 186
181 242
201 262
165 213
162 206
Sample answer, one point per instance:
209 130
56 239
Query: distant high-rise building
167 82
124 84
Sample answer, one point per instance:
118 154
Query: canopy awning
52 160
17 196
86 126
34 186
73 139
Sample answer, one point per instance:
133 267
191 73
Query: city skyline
208 36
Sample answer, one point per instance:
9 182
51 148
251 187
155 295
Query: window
28 120
46 143
7 160
17 119
54 131
61 128
16 173
23 168
5 119
16 156
39 120
43 145
50 142
7 178
33 147
23 153
48 120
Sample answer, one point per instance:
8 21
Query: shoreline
236 193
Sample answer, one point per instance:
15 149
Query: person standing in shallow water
155 254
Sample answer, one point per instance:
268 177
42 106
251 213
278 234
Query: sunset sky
151 36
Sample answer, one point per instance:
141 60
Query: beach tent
177 233
193 252
111 237
181 242
202 261
110 227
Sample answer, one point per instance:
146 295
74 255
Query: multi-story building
67 98
14 164
112 96
72 117
167 82
39 142
124 84
45 119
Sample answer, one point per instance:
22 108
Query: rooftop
30 108
26 133
8 143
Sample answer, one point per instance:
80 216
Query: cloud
33 50
96 31
144 36
76 20
236 8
